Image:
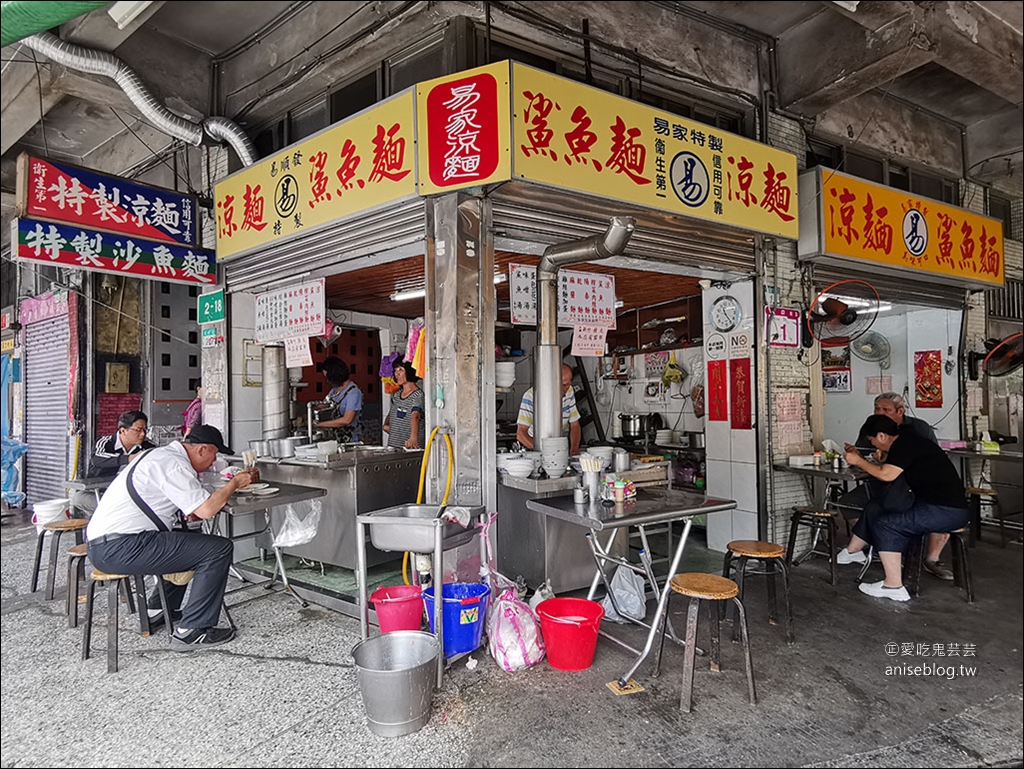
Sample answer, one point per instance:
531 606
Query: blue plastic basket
465 608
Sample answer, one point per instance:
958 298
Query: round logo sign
690 179
286 196
915 232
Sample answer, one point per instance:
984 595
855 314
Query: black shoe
201 638
156 622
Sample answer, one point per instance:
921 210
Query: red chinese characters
580 139
844 226
318 179
744 180
777 195
388 155
347 170
226 217
877 233
628 156
252 213
539 133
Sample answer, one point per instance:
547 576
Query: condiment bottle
817 459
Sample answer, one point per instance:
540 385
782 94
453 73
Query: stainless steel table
821 478
649 507
96 485
1002 457
243 503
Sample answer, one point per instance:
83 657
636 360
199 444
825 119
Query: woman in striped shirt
405 423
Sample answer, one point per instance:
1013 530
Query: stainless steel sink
411 528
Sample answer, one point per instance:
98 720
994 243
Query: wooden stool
818 521
76 571
976 497
55 529
773 560
959 558
709 587
114 584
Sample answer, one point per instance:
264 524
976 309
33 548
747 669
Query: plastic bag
630 595
298 531
513 634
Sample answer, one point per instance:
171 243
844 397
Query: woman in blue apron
340 421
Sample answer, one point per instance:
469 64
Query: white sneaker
844 557
879 590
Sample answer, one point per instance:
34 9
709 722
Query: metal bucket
396 678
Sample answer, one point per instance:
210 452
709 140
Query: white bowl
520 468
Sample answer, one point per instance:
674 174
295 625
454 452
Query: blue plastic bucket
465 607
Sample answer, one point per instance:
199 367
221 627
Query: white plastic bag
298 531
513 634
630 595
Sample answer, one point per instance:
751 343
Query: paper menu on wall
790 433
788 406
589 340
296 352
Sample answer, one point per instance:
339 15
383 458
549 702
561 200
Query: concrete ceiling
964 65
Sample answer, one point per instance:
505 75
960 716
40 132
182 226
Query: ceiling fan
873 348
846 309
1001 357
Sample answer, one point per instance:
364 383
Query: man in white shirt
131 531
570 415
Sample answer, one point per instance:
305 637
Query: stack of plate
663 437
504 373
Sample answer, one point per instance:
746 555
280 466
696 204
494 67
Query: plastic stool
818 521
54 529
709 587
773 559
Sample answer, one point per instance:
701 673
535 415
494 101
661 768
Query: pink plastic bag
513 634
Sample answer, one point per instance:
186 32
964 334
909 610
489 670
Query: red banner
717 396
741 392
462 130
928 379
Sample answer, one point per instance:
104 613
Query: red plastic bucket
570 628
398 607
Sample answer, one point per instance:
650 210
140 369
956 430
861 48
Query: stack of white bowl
554 456
664 437
535 457
519 466
504 373
605 452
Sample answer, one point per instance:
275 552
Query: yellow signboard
891 227
352 166
571 135
6 345
464 129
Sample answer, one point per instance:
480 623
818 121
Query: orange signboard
463 129
885 226
352 166
571 135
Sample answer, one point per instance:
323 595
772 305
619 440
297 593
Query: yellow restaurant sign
354 165
571 135
463 129
885 226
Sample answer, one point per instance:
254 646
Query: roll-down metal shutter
339 246
894 289
46 409
529 214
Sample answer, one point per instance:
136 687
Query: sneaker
201 638
844 557
157 620
938 569
879 590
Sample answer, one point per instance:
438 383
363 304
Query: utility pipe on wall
547 384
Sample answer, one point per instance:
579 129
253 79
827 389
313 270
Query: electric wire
156 154
42 113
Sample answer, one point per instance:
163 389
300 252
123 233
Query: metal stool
55 529
76 572
976 497
773 560
114 584
709 587
818 521
959 559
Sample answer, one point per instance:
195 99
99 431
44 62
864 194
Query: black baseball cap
207 434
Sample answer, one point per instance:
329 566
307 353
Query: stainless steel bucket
396 677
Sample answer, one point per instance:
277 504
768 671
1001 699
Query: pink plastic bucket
398 607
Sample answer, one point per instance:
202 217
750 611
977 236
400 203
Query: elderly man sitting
939 504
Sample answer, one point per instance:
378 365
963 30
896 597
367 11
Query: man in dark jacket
112 452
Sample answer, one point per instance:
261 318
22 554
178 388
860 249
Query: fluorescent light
125 12
419 293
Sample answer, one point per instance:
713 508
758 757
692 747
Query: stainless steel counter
356 482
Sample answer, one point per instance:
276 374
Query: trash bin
396 679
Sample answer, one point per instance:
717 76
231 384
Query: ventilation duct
95 62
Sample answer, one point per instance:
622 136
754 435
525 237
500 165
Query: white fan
872 347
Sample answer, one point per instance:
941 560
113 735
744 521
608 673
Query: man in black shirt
939 504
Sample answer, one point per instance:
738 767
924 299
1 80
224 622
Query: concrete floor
284 693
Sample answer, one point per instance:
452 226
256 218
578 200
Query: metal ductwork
95 62
276 404
547 385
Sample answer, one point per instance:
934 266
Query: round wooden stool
114 584
54 529
709 587
819 522
76 572
772 559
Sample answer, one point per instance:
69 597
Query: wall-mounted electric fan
845 309
1001 357
873 348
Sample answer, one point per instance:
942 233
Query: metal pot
262 448
282 448
632 426
696 439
